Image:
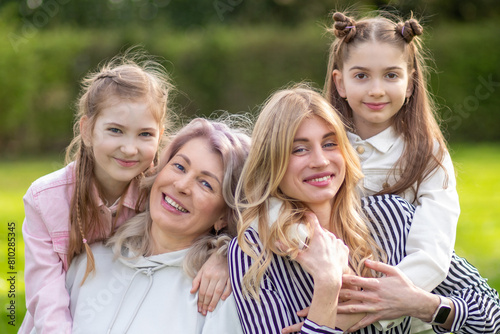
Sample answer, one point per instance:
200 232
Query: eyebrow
361 68
204 172
122 126
329 134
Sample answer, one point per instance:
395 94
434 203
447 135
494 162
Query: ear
85 130
339 83
220 223
409 88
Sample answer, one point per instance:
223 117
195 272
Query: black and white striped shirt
286 288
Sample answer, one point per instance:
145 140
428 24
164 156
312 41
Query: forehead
375 55
202 155
313 125
137 113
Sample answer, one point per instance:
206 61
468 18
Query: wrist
426 306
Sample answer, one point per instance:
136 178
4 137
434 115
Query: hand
326 255
212 282
383 298
297 327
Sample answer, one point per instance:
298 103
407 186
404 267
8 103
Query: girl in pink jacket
121 115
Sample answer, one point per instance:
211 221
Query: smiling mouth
174 204
126 163
319 179
376 106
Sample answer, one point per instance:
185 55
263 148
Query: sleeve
271 314
432 235
477 305
47 299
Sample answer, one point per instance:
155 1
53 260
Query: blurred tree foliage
194 13
222 54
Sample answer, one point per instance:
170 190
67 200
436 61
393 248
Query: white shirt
432 236
151 294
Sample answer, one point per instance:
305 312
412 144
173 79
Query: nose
377 88
318 158
183 185
129 147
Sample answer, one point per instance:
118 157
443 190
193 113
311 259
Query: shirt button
113 214
360 149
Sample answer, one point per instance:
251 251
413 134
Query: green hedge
230 68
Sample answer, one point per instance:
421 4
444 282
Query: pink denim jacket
46 236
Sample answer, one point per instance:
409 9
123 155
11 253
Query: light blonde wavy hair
232 145
272 141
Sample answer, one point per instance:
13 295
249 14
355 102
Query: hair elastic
84 240
402 31
349 27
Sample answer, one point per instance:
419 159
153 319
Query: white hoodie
143 295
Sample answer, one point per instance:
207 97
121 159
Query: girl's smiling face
316 169
124 141
375 81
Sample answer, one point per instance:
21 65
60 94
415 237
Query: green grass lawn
478 229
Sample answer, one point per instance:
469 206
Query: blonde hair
272 141
416 121
232 145
132 76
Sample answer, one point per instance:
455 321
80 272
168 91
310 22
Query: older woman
299 201
144 273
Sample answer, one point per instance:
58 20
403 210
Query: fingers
228 290
386 269
293 328
204 296
196 282
366 321
364 283
303 313
213 296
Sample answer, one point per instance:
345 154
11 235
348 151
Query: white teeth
324 178
174 204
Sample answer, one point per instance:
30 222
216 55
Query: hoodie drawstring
148 272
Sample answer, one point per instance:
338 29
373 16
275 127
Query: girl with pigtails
121 117
377 81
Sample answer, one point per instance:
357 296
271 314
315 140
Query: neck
323 214
164 243
367 130
110 192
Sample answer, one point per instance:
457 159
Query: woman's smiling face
186 198
316 169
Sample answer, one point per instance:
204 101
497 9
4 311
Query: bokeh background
230 55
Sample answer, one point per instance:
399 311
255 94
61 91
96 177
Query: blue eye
146 134
330 145
115 130
206 184
178 166
298 150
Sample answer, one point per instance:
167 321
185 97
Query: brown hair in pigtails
409 29
344 27
417 119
